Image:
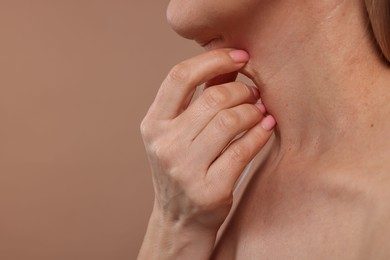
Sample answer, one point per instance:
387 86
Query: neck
321 79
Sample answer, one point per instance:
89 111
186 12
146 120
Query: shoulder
361 191
378 228
367 185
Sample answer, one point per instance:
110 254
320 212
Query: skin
321 177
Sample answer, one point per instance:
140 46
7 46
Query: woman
322 180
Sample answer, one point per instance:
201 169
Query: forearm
168 239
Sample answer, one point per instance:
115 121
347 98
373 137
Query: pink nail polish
268 123
239 56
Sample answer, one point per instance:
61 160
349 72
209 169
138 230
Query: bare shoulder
379 218
379 192
334 207
365 183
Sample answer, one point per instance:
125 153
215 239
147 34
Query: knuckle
179 73
227 120
214 96
146 129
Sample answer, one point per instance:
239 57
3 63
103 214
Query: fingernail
239 56
261 107
268 123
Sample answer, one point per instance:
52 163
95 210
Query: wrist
170 238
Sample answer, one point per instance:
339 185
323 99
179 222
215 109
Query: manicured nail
268 123
239 56
261 107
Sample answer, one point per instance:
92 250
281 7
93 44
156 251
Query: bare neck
322 81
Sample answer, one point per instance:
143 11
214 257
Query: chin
203 34
193 20
211 23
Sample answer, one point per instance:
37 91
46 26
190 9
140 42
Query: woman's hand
194 158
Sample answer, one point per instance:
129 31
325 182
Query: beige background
76 78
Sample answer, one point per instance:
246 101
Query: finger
222 79
230 164
212 101
183 79
222 129
218 80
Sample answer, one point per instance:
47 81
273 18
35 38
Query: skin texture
318 188
191 147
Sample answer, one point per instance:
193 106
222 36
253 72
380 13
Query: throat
318 109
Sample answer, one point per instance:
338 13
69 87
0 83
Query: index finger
183 79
